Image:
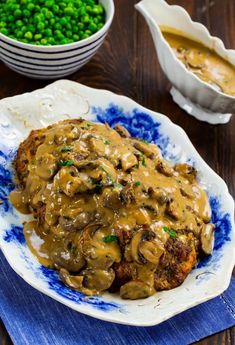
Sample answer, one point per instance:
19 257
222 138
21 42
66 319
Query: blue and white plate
66 99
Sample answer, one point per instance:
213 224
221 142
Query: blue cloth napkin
33 318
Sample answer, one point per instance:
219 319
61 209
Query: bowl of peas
50 39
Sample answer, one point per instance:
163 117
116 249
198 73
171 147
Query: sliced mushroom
70 181
70 259
79 151
136 289
152 251
77 223
159 194
151 206
98 279
187 171
195 59
127 194
74 133
164 168
75 282
113 200
87 164
174 210
128 161
142 216
146 149
186 190
97 146
207 238
122 131
142 235
98 253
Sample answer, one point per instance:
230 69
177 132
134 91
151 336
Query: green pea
81 26
24 29
28 35
49 4
11 18
19 34
76 38
4 31
57 26
30 6
85 19
92 27
64 41
37 37
84 36
40 26
69 34
55 8
52 21
48 32
63 21
51 40
3 24
17 13
43 41
19 23
68 11
99 26
26 13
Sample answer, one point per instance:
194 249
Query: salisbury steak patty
110 212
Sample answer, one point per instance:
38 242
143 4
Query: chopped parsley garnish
137 184
66 148
143 162
106 142
108 175
110 238
144 141
170 232
67 163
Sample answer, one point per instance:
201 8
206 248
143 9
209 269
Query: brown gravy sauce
87 184
202 61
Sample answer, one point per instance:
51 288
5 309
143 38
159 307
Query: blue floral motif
6 180
15 234
139 124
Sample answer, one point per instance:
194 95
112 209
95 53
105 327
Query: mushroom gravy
110 213
202 61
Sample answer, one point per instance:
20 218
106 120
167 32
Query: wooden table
127 64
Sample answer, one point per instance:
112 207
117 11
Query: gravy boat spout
196 97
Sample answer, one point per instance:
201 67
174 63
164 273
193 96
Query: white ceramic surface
196 97
66 99
53 62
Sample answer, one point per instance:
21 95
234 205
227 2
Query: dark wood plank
127 64
4 337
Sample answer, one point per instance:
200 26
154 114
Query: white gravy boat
195 96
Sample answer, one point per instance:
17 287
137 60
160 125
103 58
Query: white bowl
53 62
196 97
65 99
